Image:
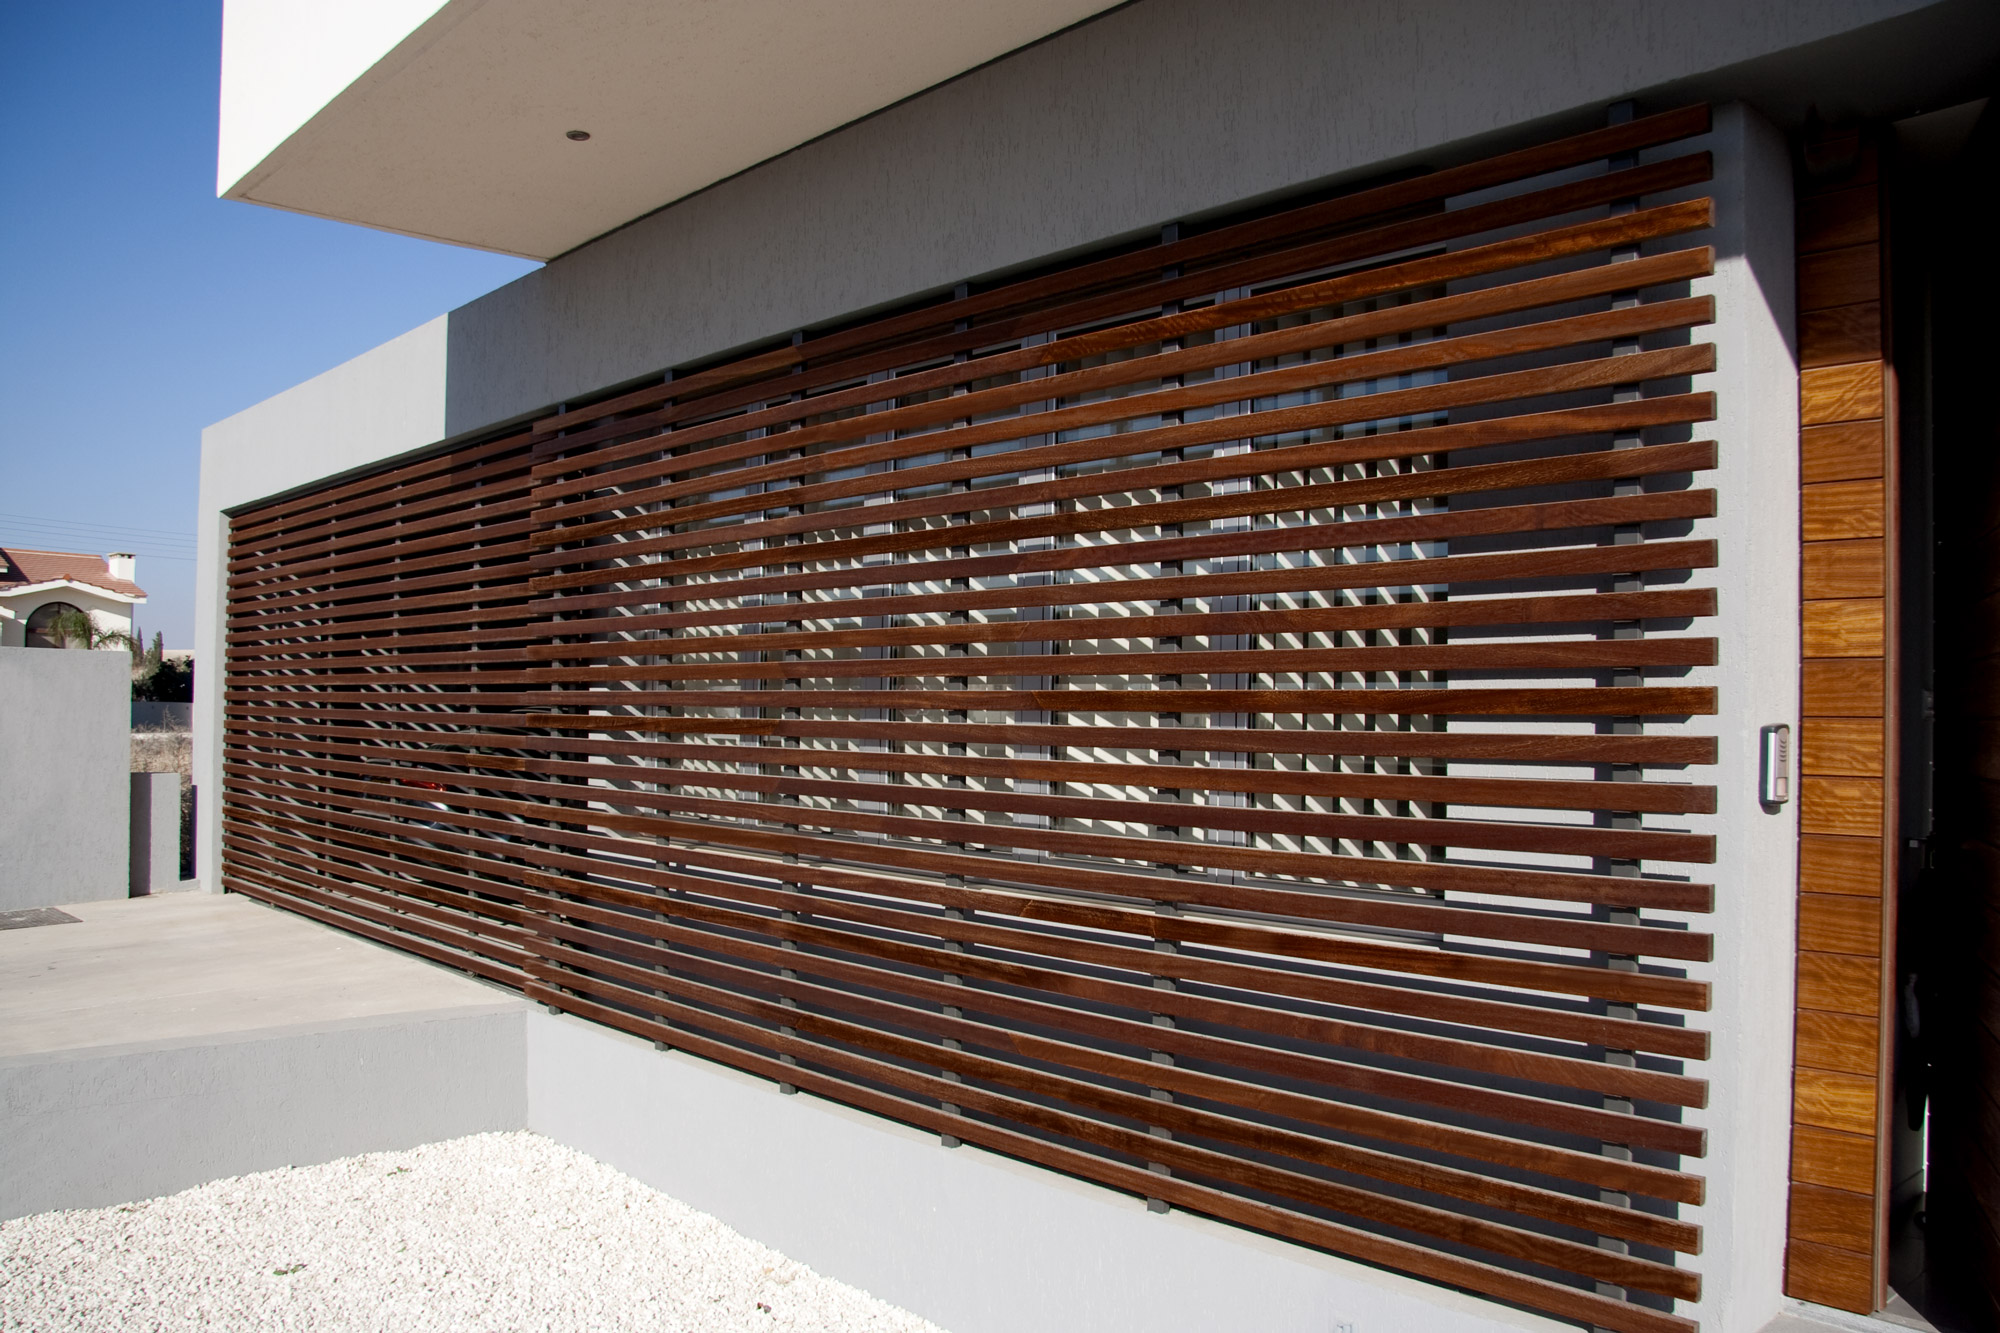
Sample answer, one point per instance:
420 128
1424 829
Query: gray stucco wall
1165 109
65 799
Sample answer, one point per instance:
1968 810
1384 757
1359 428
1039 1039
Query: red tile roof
20 567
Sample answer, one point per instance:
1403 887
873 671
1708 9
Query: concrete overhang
449 119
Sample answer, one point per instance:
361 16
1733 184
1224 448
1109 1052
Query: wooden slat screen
1219 720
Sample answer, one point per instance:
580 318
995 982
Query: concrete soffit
458 128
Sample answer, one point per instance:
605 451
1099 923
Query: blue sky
136 307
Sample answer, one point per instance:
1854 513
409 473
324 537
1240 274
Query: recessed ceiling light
577 136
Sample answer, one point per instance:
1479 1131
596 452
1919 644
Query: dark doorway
1945 1139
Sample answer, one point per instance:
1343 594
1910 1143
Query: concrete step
157 1043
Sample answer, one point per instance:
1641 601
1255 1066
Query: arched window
40 620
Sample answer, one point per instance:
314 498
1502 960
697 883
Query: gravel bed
493 1232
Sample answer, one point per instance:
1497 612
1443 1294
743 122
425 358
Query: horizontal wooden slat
1475 879
1467 480
670 994
1565 563
1550 517
1313 375
1385 322
1537 610
348 718
1661 700
1500 1282
352 834
1557 657
818 923
1554 839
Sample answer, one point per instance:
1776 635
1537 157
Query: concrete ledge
972 1240
109 1124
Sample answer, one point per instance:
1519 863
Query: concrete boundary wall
65 801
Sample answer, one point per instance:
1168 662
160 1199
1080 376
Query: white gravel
493 1232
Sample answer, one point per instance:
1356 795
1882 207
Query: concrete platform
160 1042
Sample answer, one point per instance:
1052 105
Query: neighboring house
36 586
1313 618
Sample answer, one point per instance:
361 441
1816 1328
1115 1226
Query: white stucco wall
1756 527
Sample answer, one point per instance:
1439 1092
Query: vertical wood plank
1835 1252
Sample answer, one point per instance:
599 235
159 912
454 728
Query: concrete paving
157 1043
199 965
